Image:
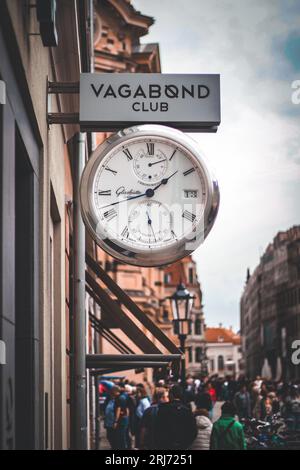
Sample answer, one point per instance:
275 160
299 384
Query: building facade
270 309
223 352
52 41
125 311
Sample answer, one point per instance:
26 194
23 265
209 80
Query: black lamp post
181 305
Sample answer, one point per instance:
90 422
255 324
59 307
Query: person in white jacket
204 425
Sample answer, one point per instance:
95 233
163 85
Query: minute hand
123 200
165 180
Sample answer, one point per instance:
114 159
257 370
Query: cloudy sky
255 46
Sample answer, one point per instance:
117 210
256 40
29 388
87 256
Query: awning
105 363
123 321
120 316
111 337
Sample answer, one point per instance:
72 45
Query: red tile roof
221 335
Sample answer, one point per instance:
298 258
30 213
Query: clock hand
148 193
165 180
150 223
128 199
155 163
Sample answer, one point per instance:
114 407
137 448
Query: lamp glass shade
181 303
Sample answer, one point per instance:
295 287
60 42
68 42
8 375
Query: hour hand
150 224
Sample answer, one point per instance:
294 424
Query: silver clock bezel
151 256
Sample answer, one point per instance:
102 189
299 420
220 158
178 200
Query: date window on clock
190 193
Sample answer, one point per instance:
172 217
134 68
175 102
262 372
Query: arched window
198 327
198 354
220 362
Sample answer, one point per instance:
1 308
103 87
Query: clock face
146 195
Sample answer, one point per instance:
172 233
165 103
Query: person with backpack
148 423
175 424
227 433
117 419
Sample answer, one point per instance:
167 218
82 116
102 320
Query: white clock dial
148 194
151 163
150 222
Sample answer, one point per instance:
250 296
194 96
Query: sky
255 47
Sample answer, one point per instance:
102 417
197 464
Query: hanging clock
147 196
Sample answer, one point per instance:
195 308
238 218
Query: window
198 354
212 365
198 329
220 362
190 353
191 275
167 278
165 315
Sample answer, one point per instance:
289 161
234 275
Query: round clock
147 196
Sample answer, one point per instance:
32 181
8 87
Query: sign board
189 102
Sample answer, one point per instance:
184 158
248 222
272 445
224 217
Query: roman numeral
173 234
128 154
125 232
106 192
172 155
187 172
109 215
150 148
112 171
189 216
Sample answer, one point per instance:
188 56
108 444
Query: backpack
175 426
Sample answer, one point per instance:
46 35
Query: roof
132 16
221 335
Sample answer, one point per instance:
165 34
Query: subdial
150 168
150 222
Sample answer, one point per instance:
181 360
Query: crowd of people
138 416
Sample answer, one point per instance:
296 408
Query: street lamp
181 305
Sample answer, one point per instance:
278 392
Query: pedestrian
148 423
227 433
242 402
256 403
131 403
117 419
203 400
266 407
109 417
212 391
275 402
175 427
204 426
291 409
143 403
